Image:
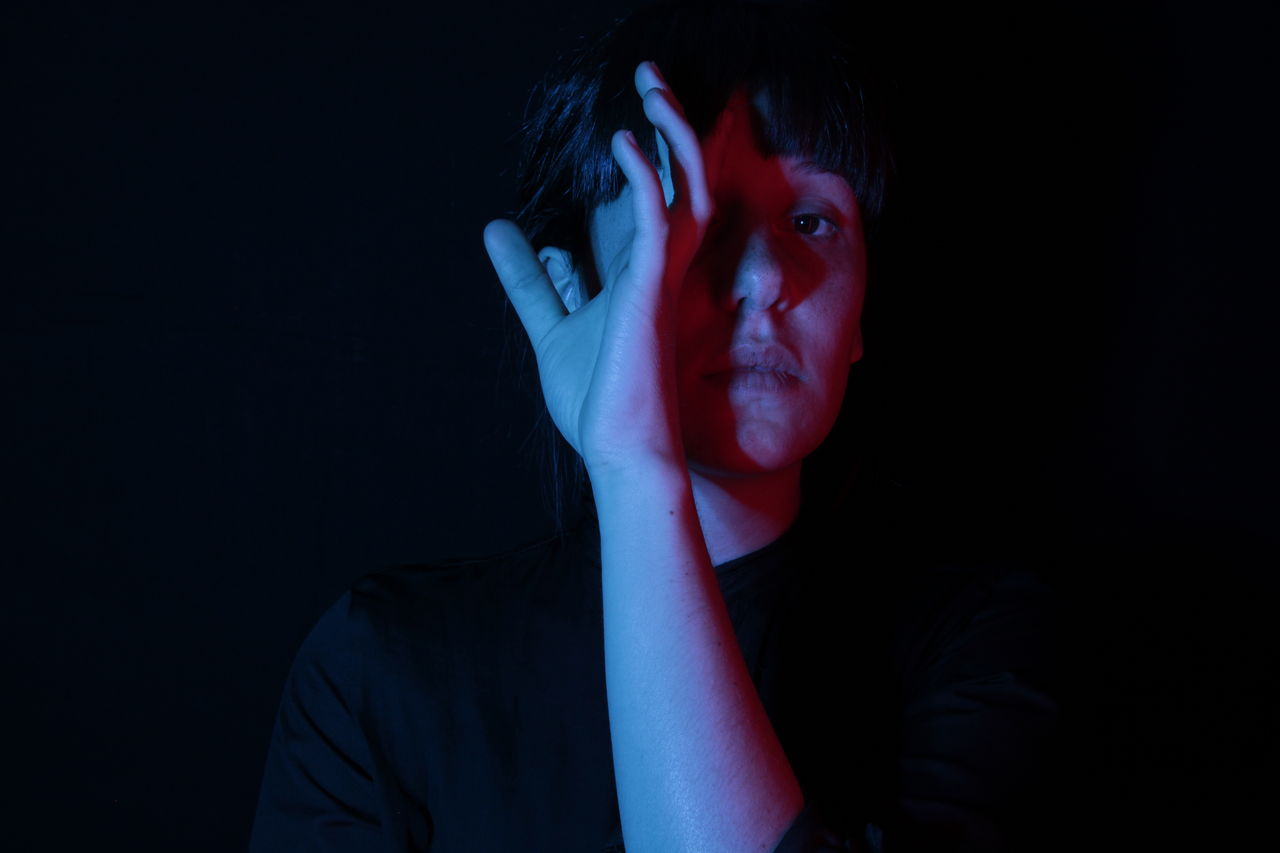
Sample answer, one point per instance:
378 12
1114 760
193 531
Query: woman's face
768 316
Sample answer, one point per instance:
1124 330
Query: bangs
793 55
814 63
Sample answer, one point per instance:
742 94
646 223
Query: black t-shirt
461 705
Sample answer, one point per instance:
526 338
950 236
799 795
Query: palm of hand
607 368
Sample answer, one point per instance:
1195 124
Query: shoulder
394 606
973 619
982 704
968 590
392 620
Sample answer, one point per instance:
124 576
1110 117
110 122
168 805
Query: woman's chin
749 440
750 452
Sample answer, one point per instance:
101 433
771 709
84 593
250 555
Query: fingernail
631 137
654 66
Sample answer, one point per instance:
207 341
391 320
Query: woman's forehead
782 175
737 136
747 118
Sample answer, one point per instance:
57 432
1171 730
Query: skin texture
625 375
607 368
783 262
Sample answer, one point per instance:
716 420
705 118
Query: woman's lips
754 379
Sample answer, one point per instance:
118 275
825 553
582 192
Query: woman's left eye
809 223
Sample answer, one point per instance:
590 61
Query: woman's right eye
813 222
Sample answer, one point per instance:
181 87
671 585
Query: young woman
704 662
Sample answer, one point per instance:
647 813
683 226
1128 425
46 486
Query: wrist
634 463
621 477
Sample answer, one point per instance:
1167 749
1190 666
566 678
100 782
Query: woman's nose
758 280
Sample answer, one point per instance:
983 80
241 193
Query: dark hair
819 81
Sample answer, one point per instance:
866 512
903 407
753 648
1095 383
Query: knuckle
527 280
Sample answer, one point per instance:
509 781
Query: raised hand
607 367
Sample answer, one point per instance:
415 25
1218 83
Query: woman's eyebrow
813 167
816 169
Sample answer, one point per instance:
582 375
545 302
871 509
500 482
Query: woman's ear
559 266
857 344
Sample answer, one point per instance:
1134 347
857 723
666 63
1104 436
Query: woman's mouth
754 379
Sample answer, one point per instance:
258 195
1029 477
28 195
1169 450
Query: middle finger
685 177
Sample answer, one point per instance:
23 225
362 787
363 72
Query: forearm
697 763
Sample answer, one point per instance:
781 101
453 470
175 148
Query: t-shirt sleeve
318 792
809 834
977 742
979 720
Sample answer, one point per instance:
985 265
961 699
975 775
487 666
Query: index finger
717 142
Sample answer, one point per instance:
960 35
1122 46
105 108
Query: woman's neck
743 513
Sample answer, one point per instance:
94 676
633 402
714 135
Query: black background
253 348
